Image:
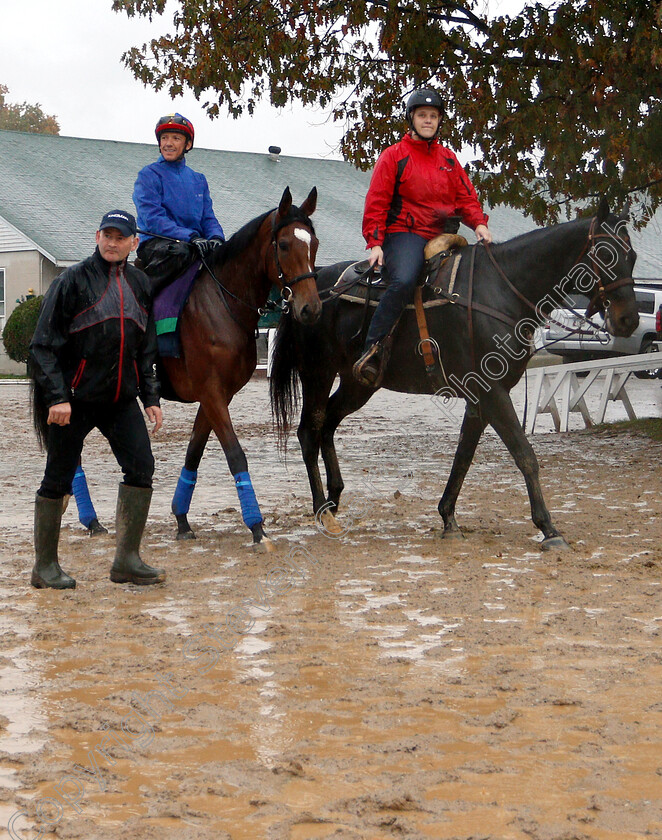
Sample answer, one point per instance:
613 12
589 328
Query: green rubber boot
46 573
132 509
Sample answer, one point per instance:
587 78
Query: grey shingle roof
55 189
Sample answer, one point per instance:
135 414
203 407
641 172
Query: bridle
600 288
287 291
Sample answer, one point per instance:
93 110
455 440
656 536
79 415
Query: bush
19 328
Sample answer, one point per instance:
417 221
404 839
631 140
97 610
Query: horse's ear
285 202
309 205
603 210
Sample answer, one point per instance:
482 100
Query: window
645 302
2 299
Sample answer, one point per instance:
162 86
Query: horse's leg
470 434
315 395
501 415
218 414
181 501
318 430
348 398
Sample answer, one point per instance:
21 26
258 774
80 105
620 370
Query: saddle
361 283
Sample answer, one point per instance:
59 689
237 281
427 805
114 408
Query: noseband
287 285
601 289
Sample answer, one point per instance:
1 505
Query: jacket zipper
78 375
121 361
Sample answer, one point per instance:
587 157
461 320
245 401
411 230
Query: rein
600 289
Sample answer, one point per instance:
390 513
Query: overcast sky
66 56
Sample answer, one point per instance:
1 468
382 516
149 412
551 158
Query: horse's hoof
454 534
185 535
264 546
95 528
556 542
327 522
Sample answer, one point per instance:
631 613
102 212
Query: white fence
559 390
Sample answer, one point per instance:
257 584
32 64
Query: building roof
54 190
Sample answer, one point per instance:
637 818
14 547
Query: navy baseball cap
120 219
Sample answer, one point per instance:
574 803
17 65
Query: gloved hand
205 247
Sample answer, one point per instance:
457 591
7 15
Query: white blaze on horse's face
304 236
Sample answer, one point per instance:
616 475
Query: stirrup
369 369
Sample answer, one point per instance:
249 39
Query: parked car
575 341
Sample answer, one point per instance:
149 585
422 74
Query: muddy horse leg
218 415
470 434
315 394
500 413
348 398
181 501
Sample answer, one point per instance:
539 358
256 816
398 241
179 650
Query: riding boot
132 509
369 369
46 573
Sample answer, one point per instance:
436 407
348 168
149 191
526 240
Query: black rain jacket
95 339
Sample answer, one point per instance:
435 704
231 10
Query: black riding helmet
177 123
421 97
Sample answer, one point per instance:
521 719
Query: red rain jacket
415 186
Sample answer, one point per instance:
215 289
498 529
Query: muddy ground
385 684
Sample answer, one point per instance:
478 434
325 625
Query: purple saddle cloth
168 306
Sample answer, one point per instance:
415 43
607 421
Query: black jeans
403 262
122 424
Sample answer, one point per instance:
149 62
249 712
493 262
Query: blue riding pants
403 262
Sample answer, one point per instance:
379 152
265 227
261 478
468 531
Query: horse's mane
517 243
240 240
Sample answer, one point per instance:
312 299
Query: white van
575 341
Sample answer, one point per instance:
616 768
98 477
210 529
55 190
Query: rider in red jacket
416 186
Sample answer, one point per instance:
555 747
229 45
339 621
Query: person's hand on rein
205 247
376 256
483 234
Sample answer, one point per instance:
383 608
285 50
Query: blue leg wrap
86 512
181 501
250 510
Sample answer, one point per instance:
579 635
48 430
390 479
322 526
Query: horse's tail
39 411
284 379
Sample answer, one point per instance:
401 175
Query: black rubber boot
132 509
46 573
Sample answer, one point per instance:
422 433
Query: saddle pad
437 278
168 306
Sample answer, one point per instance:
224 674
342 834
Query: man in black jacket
93 352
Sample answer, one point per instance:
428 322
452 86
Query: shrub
19 328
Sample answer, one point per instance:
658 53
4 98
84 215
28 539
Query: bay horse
218 337
502 292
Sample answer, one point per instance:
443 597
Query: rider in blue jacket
173 201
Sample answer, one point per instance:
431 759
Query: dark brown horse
218 330
501 294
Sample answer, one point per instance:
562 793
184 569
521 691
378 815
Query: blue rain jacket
174 200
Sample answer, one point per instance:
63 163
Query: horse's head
294 248
610 259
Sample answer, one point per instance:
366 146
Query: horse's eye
284 246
